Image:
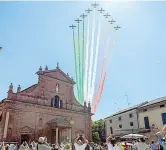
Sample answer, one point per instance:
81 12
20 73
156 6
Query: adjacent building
152 117
47 108
123 122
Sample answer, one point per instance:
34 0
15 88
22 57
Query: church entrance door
24 137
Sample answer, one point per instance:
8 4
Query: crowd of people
141 144
81 143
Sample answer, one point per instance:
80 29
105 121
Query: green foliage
97 130
95 137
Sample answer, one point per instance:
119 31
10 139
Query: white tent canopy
133 136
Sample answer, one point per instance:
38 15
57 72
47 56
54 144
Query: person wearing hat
111 143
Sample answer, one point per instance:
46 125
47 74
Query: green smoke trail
75 58
83 63
79 68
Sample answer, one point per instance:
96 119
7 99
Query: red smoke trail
100 94
101 85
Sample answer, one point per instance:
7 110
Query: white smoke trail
95 62
91 56
86 63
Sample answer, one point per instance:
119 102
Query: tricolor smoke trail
86 63
86 56
91 58
79 67
82 71
95 61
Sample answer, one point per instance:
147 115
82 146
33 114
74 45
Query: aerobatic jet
95 5
117 27
101 10
107 15
78 20
72 26
112 21
88 10
83 15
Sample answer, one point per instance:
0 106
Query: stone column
70 135
56 135
6 125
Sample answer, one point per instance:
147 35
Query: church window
52 102
40 122
57 87
57 101
61 104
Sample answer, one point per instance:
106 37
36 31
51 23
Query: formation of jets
107 15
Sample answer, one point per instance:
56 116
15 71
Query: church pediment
58 74
59 122
26 129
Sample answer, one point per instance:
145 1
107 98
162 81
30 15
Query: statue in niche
57 88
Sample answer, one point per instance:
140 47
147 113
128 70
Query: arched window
40 122
57 101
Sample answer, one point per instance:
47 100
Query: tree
95 137
98 130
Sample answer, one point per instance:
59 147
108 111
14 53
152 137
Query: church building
48 108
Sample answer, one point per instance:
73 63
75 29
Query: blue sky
35 34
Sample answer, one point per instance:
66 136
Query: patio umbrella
133 136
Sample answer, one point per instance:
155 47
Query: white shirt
141 146
110 147
80 147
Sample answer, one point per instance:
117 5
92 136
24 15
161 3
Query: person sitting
80 142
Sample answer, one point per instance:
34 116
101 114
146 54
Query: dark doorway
24 137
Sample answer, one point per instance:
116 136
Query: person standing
141 145
111 142
41 144
80 142
153 146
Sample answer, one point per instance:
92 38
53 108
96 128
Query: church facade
48 108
